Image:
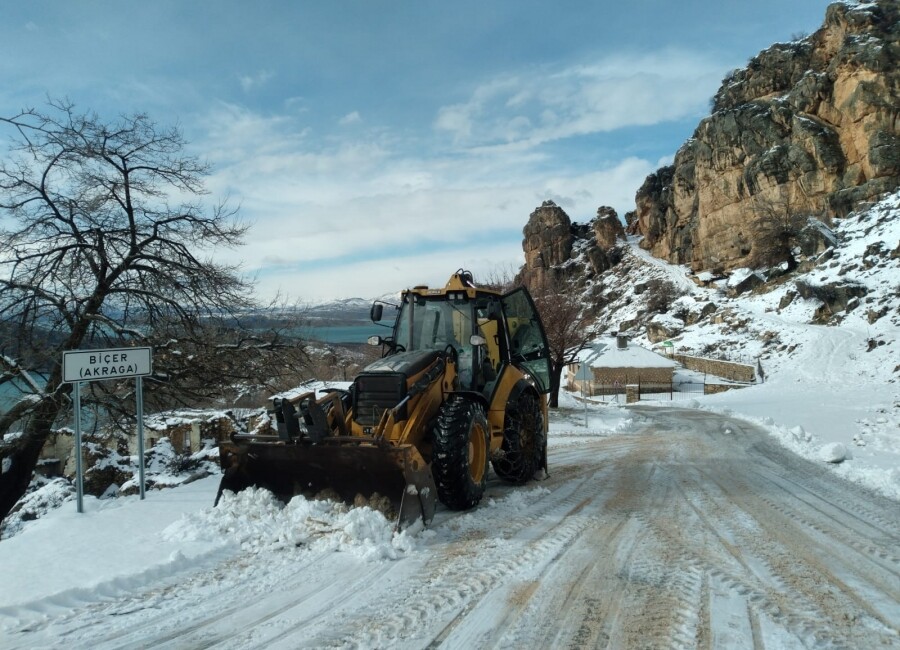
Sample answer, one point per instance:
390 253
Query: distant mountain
340 312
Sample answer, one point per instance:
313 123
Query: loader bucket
341 467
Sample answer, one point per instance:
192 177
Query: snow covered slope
831 391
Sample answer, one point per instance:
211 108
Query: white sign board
116 363
584 373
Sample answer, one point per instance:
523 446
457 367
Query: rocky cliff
808 129
559 251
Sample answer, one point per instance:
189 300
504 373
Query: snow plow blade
352 469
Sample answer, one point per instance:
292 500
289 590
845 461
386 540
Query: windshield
434 323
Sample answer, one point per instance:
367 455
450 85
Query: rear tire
524 441
461 450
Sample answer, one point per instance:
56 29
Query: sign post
139 404
584 375
79 472
99 365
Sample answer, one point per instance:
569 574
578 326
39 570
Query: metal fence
649 391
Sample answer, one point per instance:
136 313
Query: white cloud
439 225
253 81
615 92
235 133
350 118
374 278
367 204
457 119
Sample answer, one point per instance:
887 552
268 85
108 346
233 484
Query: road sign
101 365
584 373
115 363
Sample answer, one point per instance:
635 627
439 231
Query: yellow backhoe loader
462 381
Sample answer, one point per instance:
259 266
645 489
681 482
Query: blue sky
376 145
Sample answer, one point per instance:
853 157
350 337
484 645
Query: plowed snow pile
258 522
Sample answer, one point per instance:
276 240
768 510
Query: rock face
558 250
834 296
547 244
809 128
608 230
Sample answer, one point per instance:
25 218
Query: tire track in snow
785 573
588 606
449 597
454 590
722 498
626 591
830 493
726 565
827 528
299 605
675 536
244 605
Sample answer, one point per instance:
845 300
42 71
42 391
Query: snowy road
694 530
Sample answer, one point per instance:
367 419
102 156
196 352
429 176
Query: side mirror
376 312
477 340
375 340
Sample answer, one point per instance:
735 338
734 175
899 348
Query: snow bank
258 522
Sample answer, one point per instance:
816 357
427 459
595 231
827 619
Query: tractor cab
482 331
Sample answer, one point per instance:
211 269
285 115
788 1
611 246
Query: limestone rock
808 128
744 283
698 312
663 327
560 250
608 230
835 297
547 244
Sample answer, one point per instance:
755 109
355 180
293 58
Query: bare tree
104 243
775 230
661 294
570 324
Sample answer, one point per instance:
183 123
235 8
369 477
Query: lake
10 392
343 333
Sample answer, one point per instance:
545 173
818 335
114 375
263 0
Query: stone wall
724 369
606 377
632 375
713 389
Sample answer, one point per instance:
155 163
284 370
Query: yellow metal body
397 451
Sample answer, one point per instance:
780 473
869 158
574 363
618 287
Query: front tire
524 441
460 453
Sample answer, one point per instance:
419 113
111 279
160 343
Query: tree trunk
23 457
556 370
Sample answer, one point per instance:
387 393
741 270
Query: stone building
616 366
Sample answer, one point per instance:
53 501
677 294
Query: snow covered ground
655 527
831 391
84 557
831 395
65 559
